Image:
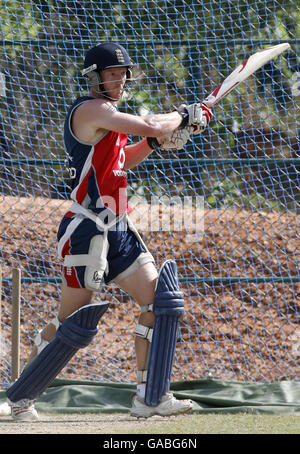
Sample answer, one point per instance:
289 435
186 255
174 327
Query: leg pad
168 308
76 332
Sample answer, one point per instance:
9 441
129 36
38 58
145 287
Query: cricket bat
243 71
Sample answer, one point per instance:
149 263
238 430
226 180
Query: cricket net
226 208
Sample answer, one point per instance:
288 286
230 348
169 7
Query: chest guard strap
77 331
168 308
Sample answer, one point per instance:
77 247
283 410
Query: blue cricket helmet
106 55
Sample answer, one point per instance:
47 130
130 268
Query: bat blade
243 71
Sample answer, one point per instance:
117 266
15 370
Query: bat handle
207 103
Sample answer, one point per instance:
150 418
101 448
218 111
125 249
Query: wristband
185 116
153 143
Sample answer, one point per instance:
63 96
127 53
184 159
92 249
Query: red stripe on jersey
83 188
111 178
69 214
66 248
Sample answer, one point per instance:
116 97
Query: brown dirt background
233 330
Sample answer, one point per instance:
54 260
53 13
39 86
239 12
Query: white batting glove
175 140
196 116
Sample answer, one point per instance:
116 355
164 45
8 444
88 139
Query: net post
16 296
0 309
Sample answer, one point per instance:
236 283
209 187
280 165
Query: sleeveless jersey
98 178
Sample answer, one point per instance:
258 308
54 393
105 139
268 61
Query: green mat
209 396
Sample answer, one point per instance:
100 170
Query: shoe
5 409
23 410
168 406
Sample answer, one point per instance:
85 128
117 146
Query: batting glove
173 141
196 116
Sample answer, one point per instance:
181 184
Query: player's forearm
151 125
99 115
136 153
162 124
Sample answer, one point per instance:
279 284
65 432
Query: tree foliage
182 50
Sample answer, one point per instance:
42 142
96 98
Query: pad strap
142 376
143 331
41 343
147 308
146 333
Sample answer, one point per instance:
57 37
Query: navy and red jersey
97 172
